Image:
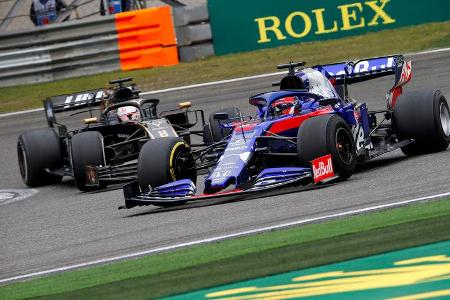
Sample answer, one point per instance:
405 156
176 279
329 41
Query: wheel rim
22 161
445 118
181 164
344 145
180 161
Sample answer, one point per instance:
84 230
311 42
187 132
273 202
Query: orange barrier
146 38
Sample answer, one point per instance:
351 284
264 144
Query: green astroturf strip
404 40
248 257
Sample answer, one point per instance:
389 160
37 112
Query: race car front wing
262 186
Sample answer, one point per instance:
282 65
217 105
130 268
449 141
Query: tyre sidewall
317 137
38 150
417 116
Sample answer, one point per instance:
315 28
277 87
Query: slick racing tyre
217 133
162 161
86 150
424 116
38 150
327 134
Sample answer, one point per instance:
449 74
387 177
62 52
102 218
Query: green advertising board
243 25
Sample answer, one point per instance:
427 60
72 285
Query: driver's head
128 113
285 106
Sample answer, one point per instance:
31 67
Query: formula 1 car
307 133
106 149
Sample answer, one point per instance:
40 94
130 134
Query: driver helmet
285 106
128 113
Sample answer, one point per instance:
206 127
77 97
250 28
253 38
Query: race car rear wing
68 102
76 101
362 70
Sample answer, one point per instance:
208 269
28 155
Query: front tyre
86 150
38 150
162 161
424 116
327 134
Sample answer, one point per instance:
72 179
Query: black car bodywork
106 149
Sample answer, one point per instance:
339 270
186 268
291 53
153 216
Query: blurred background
15 14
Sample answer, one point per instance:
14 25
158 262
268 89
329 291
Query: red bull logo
322 168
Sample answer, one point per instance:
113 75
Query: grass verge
248 257
409 39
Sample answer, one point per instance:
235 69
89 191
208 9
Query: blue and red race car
307 133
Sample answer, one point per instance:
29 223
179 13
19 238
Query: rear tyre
162 161
327 134
425 117
38 150
217 132
86 150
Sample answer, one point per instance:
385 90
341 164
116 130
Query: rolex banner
242 25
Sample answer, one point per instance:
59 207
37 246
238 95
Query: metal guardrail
84 47
58 33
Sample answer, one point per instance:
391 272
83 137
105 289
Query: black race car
106 149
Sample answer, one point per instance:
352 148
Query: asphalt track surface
61 226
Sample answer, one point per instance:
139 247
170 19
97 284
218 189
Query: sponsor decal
123 135
322 168
413 273
79 99
221 174
361 67
397 90
358 136
352 16
254 24
425 277
406 74
157 123
160 129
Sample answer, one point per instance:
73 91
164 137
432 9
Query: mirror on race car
90 120
186 104
220 116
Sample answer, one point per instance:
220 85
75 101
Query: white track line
213 83
430 51
223 237
21 112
